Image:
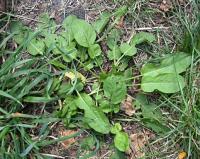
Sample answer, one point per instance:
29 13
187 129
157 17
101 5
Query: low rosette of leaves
123 52
94 116
151 115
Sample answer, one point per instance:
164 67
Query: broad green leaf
94 51
50 40
100 24
82 53
67 25
123 63
113 38
36 46
166 83
142 37
68 21
115 88
95 118
21 31
59 45
98 61
108 107
127 49
116 128
16 26
151 114
174 63
115 53
121 141
69 109
47 24
70 53
83 32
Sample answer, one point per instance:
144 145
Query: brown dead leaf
127 106
67 143
121 23
166 5
138 142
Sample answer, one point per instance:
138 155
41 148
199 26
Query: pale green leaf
83 32
121 141
127 49
142 37
166 83
100 24
36 46
113 38
47 24
50 40
115 89
120 11
67 22
116 128
95 118
67 25
115 53
21 31
94 51
174 63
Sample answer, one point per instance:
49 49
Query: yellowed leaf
182 155
67 143
127 106
17 114
73 76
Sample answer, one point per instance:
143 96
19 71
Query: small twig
151 28
21 17
51 155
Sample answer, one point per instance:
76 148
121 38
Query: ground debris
138 141
166 5
127 106
68 142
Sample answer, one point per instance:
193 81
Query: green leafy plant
94 117
121 139
165 76
65 70
115 88
151 115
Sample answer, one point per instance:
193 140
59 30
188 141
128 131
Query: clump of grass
182 109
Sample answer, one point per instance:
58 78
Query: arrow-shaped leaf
95 118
